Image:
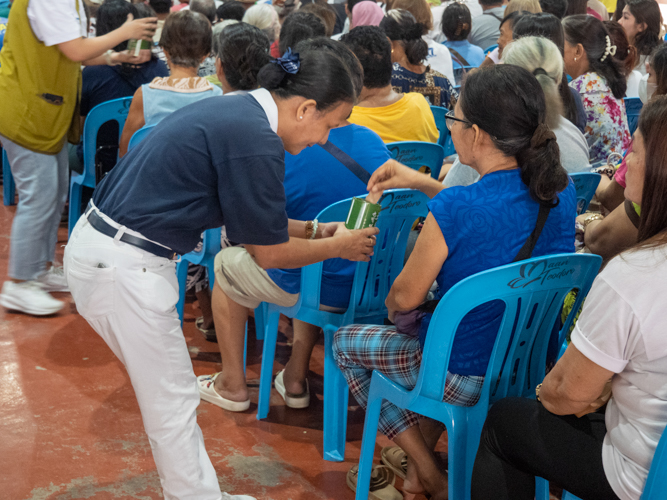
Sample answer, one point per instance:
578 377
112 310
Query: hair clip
289 62
609 49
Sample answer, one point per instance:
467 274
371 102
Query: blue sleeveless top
160 100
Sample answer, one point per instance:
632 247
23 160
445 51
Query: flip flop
382 483
208 333
395 458
292 400
208 393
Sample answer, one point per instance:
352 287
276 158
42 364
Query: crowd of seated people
541 97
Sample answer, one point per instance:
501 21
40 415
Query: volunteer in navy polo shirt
217 162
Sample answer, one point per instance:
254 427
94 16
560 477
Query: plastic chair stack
372 281
8 186
585 184
445 139
115 110
418 155
633 108
533 292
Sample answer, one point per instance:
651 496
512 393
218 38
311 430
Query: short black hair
111 15
161 6
231 10
555 7
299 26
373 49
456 22
243 50
206 7
487 3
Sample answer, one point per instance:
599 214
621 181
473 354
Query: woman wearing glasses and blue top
218 161
469 229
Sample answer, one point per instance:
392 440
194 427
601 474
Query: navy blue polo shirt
215 162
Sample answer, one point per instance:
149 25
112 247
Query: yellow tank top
39 88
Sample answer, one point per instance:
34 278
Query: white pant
129 296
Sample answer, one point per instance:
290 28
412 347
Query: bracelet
537 391
312 236
591 218
310 229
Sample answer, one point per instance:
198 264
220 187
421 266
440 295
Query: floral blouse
606 122
435 86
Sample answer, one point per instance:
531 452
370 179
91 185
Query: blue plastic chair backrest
533 292
417 155
656 487
117 110
140 135
439 114
633 108
490 49
372 280
585 184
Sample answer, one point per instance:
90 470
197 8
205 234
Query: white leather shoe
53 280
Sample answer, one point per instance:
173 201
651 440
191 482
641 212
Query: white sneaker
29 297
53 280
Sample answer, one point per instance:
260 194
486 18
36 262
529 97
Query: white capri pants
129 296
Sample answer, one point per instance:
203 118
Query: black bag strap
525 252
491 14
348 161
462 60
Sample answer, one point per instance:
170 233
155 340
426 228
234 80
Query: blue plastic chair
8 186
459 72
417 155
633 108
204 257
445 139
140 135
102 113
585 184
654 489
372 281
490 49
533 292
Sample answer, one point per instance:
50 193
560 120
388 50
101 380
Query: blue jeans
42 184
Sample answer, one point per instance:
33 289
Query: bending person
224 165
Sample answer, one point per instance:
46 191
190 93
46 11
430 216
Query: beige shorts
245 282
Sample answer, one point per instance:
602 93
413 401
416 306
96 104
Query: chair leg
336 394
8 186
75 193
541 489
368 448
459 477
268 355
260 318
182 277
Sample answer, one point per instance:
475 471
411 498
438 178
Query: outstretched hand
355 245
392 175
139 29
128 57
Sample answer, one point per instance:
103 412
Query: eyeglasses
450 119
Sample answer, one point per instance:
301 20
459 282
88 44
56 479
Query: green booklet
134 46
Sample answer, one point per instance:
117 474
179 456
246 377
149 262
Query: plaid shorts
360 349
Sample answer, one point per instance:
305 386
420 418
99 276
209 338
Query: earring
301 118
575 59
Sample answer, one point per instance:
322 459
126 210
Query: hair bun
541 136
414 32
271 76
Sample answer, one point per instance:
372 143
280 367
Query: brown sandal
382 483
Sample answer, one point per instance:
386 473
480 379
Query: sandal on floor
395 458
208 393
382 483
292 400
208 333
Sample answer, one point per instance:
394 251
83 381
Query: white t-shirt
633 84
57 21
622 328
439 58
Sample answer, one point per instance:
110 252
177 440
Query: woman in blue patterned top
470 229
408 53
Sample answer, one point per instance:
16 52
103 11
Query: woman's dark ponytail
401 26
322 75
516 124
591 33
